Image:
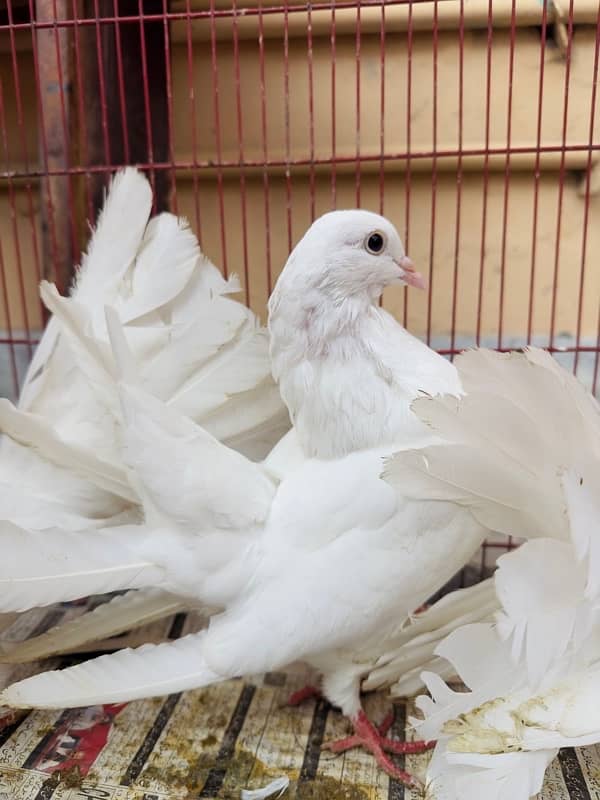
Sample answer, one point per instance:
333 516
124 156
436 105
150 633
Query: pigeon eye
375 243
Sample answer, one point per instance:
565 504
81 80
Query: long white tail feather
411 682
37 371
544 613
164 265
43 567
123 612
111 251
446 610
251 422
583 509
149 671
40 435
113 247
198 484
92 355
421 638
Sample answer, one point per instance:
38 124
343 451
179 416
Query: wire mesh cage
471 125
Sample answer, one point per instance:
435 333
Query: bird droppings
327 788
71 778
242 771
189 780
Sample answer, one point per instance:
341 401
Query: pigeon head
348 254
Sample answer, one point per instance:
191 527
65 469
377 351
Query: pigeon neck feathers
348 372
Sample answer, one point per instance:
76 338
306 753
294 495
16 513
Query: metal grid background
100 81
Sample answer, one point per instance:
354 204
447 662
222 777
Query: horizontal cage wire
472 126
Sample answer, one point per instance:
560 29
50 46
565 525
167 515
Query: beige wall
518 245
440 263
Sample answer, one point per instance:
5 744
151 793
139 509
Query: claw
374 740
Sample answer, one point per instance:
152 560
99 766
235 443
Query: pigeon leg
306 693
388 721
368 736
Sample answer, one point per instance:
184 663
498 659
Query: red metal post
53 69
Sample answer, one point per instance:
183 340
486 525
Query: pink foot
302 695
372 739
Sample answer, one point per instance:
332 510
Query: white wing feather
135 608
148 671
206 485
43 567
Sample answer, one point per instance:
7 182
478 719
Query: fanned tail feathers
413 650
508 442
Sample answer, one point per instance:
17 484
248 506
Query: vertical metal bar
536 174
486 173
382 111
102 81
332 40
461 47
16 79
240 137
219 150
92 112
53 68
511 69
5 297
193 115
286 99
561 176
146 58
80 111
586 213
12 205
311 114
169 96
121 85
433 171
65 92
597 357
265 148
9 325
149 148
408 175
357 57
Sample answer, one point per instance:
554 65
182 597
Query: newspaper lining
212 742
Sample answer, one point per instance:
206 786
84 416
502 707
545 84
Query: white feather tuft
277 787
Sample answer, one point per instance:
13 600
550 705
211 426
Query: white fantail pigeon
319 560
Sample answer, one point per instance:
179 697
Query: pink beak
411 276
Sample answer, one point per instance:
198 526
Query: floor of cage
213 742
